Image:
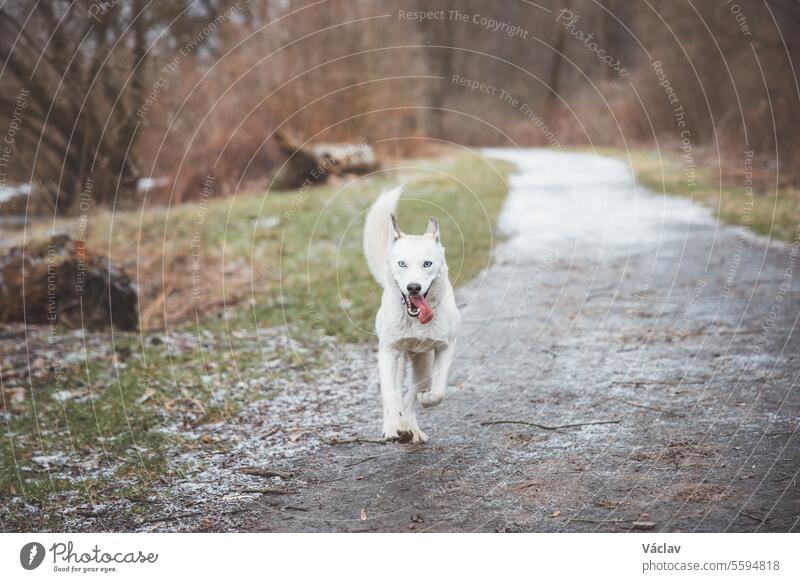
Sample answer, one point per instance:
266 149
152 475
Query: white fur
402 339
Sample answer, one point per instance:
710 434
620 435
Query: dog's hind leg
441 367
391 368
422 370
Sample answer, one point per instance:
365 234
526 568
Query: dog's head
415 262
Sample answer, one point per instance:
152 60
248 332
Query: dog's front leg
390 362
421 367
441 367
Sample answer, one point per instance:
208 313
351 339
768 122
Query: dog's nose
414 288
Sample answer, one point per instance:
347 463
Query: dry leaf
363 514
556 513
148 394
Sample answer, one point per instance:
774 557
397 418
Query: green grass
773 213
306 272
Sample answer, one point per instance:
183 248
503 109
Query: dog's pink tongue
425 311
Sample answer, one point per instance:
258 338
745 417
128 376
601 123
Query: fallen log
309 164
59 281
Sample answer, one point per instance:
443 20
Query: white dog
418 318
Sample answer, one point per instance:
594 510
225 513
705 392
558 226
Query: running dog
417 320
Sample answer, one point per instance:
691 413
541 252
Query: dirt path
661 341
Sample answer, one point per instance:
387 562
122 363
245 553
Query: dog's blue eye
402 263
427 264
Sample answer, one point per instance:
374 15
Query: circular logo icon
31 555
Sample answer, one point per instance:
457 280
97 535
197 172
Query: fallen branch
602 521
275 430
754 518
634 523
190 514
359 462
171 517
266 473
335 441
547 427
269 491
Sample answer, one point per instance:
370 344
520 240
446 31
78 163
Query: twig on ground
269 491
266 473
359 462
171 517
335 441
754 518
677 382
547 427
272 432
134 499
635 523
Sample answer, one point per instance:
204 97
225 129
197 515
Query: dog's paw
406 436
428 399
399 436
395 429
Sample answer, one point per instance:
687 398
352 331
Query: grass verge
741 196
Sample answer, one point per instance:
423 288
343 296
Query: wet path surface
626 364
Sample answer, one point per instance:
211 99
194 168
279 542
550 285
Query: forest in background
117 100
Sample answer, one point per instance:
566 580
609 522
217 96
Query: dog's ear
394 230
433 228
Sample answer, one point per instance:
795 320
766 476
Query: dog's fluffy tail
376 232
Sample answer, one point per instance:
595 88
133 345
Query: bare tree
83 66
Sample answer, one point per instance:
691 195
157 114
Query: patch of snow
267 222
9 192
150 182
573 200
